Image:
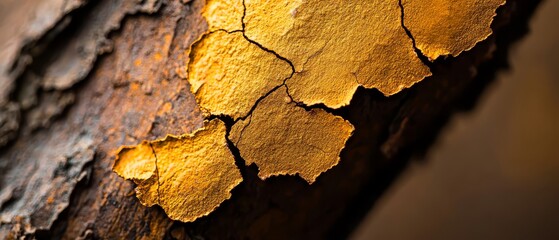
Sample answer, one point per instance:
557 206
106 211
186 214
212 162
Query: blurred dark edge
510 25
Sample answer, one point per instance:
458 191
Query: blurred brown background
494 172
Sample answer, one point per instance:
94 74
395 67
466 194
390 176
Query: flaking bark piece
224 15
336 46
449 27
228 74
285 139
188 175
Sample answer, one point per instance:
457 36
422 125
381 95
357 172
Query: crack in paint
284 117
420 55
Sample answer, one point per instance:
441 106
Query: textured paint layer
260 60
449 27
228 74
224 15
282 138
188 176
336 46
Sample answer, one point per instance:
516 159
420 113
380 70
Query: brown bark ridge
80 78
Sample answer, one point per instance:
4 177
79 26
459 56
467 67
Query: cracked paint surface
284 139
267 65
449 27
225 78
336 47
187 175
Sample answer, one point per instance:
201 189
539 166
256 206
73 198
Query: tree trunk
83 78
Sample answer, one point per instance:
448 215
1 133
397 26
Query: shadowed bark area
81 78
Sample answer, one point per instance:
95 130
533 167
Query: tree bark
89 76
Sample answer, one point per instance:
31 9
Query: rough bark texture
81 78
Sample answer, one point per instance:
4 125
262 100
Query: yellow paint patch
228 74
188 175
223 15
336 46
449 27
136 163
282 138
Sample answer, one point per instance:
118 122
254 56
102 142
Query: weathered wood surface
81 78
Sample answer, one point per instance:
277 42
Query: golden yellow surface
223 15
228 74
284 139
311 52
336 46
190 174
449 27
136 163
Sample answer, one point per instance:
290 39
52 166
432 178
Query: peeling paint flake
137 163
282 138
336 46
228 74
188 175
261 61
449 27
